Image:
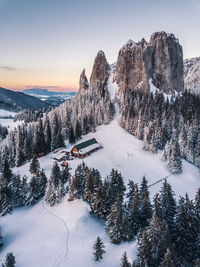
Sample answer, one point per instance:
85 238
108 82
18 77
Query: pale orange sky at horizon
46 44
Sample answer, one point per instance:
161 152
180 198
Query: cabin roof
86 144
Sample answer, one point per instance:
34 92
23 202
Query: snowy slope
5 113
10 123
64 235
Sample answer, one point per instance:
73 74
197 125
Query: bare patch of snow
112 85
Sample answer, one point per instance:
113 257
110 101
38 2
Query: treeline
17 191
29 115
69 121
3 132
168 232
173 126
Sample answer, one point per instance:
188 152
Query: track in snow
162 179
61 259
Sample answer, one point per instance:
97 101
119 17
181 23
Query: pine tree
72 139
39 140
97 203
10 260
1 240
20 159
5 201
27 148
124 261
59 140
187 231
89 187
130 193
168 261
145 204
159 236
145 250
168 206
116 184
98 249
34 165
183 142
157 206
114 222
134 208
6 172
55 190
78 130
47 135
175 163
54 131
65 174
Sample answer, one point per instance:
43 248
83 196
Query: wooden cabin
83 149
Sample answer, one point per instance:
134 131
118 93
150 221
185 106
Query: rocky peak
165 62
160 60
192 74
83 81
100 71
130 69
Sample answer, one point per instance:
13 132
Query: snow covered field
10 123
64 235
6 113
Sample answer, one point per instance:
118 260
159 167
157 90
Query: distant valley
51 97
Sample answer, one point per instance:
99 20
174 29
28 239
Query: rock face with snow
100 72
83 82
130 69
160 60
192 75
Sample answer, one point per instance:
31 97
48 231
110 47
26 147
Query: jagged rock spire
160 60
100 71
83 82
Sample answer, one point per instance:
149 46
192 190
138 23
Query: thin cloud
9 68
50 87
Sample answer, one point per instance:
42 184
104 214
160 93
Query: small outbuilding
83 149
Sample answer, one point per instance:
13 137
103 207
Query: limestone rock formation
130 69
192 74
100 72
83 82
160 60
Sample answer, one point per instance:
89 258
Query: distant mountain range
17 101
51 97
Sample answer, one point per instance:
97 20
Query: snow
112 86
64 235
154 89
6 113
192 75
10 123
58 236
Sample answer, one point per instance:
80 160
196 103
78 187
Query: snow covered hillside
64 235
6 113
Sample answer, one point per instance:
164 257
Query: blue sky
48 42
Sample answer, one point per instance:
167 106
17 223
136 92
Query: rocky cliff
160 60
83 81
192 75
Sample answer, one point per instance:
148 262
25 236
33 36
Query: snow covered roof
87 146
60 156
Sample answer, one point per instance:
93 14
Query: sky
47 43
